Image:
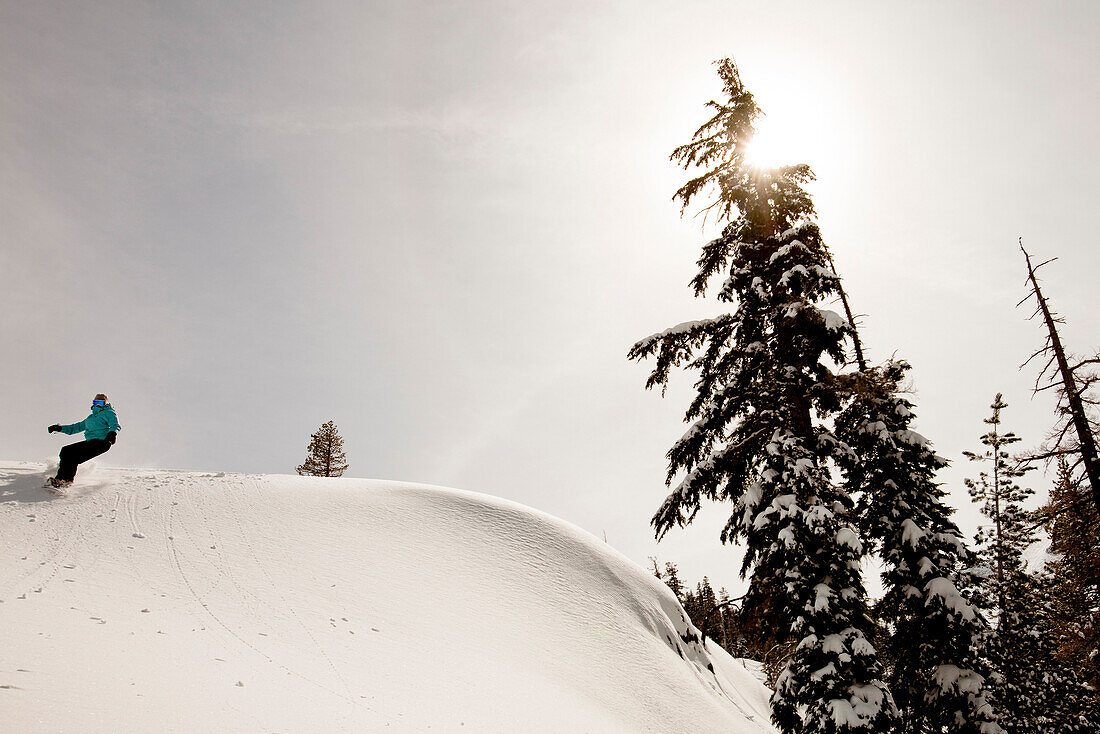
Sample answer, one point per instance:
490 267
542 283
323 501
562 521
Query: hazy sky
444 224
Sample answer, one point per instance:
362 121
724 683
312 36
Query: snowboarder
100 430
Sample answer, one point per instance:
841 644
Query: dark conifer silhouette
778 411
757 436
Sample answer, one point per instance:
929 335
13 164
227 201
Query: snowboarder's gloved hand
55 427
111 438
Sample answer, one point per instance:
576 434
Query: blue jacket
101 422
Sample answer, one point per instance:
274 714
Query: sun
778 142
772 145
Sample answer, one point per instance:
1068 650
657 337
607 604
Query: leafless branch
1083 362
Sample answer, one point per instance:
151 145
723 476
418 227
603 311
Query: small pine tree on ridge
326 453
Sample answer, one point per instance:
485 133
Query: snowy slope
169 601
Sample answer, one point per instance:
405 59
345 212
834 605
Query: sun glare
782 141
772 146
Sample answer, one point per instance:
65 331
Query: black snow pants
78 453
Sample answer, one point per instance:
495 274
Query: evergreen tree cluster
1061 624
816 455
1039 653
1040 675
1074 571
818 461
711 612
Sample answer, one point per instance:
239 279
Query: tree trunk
851 319
997 515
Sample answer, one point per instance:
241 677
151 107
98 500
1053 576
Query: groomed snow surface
167 601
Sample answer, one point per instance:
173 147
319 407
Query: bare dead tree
1074 438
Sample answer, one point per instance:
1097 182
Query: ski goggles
98 402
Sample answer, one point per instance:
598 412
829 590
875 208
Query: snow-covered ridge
172 601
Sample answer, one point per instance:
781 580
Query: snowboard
59 491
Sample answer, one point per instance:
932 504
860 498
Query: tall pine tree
1002 545
934 632
326 453
758 433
